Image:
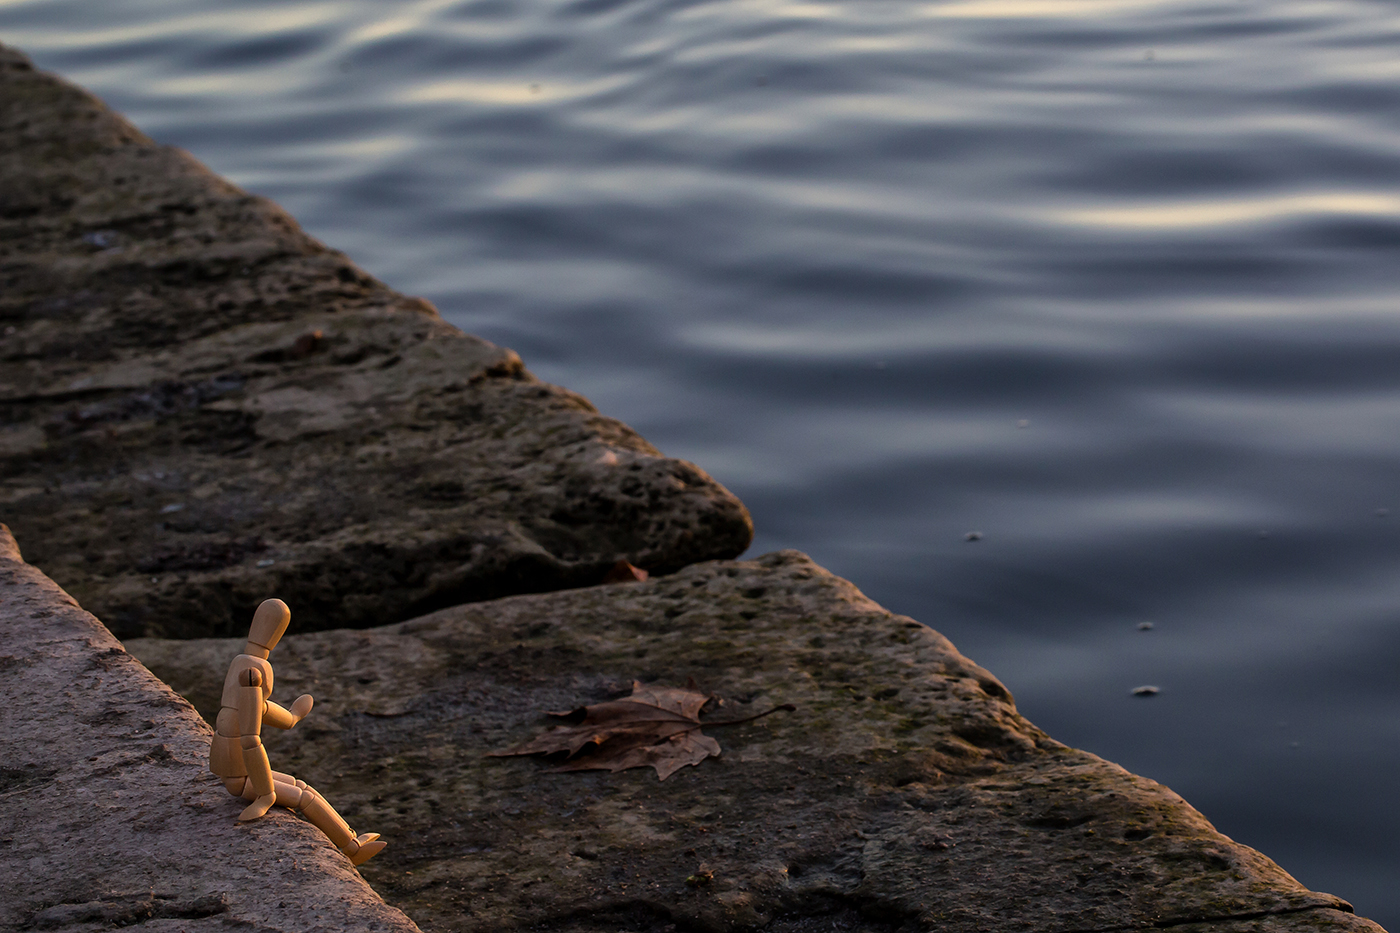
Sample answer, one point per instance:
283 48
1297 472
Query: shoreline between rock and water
206 407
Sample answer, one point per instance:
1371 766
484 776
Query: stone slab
108 814
905 793
202 406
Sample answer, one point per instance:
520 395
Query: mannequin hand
302 706
258 807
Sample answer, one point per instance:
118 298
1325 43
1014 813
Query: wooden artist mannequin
237 754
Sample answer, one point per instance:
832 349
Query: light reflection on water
1298 207
1113 283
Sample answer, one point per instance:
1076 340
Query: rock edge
905 794
201 406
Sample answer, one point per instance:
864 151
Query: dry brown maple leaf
657 727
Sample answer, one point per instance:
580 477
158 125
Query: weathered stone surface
108 814
202 406
906 793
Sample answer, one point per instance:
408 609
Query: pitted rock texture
906 793
109 816
202 406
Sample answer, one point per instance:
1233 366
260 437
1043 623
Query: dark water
1112 282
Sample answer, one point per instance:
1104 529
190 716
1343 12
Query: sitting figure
237 754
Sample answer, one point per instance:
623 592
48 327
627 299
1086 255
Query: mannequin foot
367 847
258 807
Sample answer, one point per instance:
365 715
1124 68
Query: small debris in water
172 507
266 563
973 536
1146 691
1144 626
1023 423
1382 513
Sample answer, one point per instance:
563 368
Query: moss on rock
905 793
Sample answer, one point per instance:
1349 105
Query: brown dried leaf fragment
623 572
656 727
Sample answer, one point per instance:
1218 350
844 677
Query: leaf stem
786 708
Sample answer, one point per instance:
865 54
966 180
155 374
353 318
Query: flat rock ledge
108 815
200 406
904 794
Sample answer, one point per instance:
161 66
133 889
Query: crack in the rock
128 910
1341 907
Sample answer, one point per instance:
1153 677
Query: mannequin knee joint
306 798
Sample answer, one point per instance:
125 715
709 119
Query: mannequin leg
303 798
359 849
323 816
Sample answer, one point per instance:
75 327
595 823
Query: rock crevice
108 814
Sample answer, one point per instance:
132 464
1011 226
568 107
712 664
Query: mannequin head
269 622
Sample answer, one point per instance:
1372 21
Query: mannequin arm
250 715
281 718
